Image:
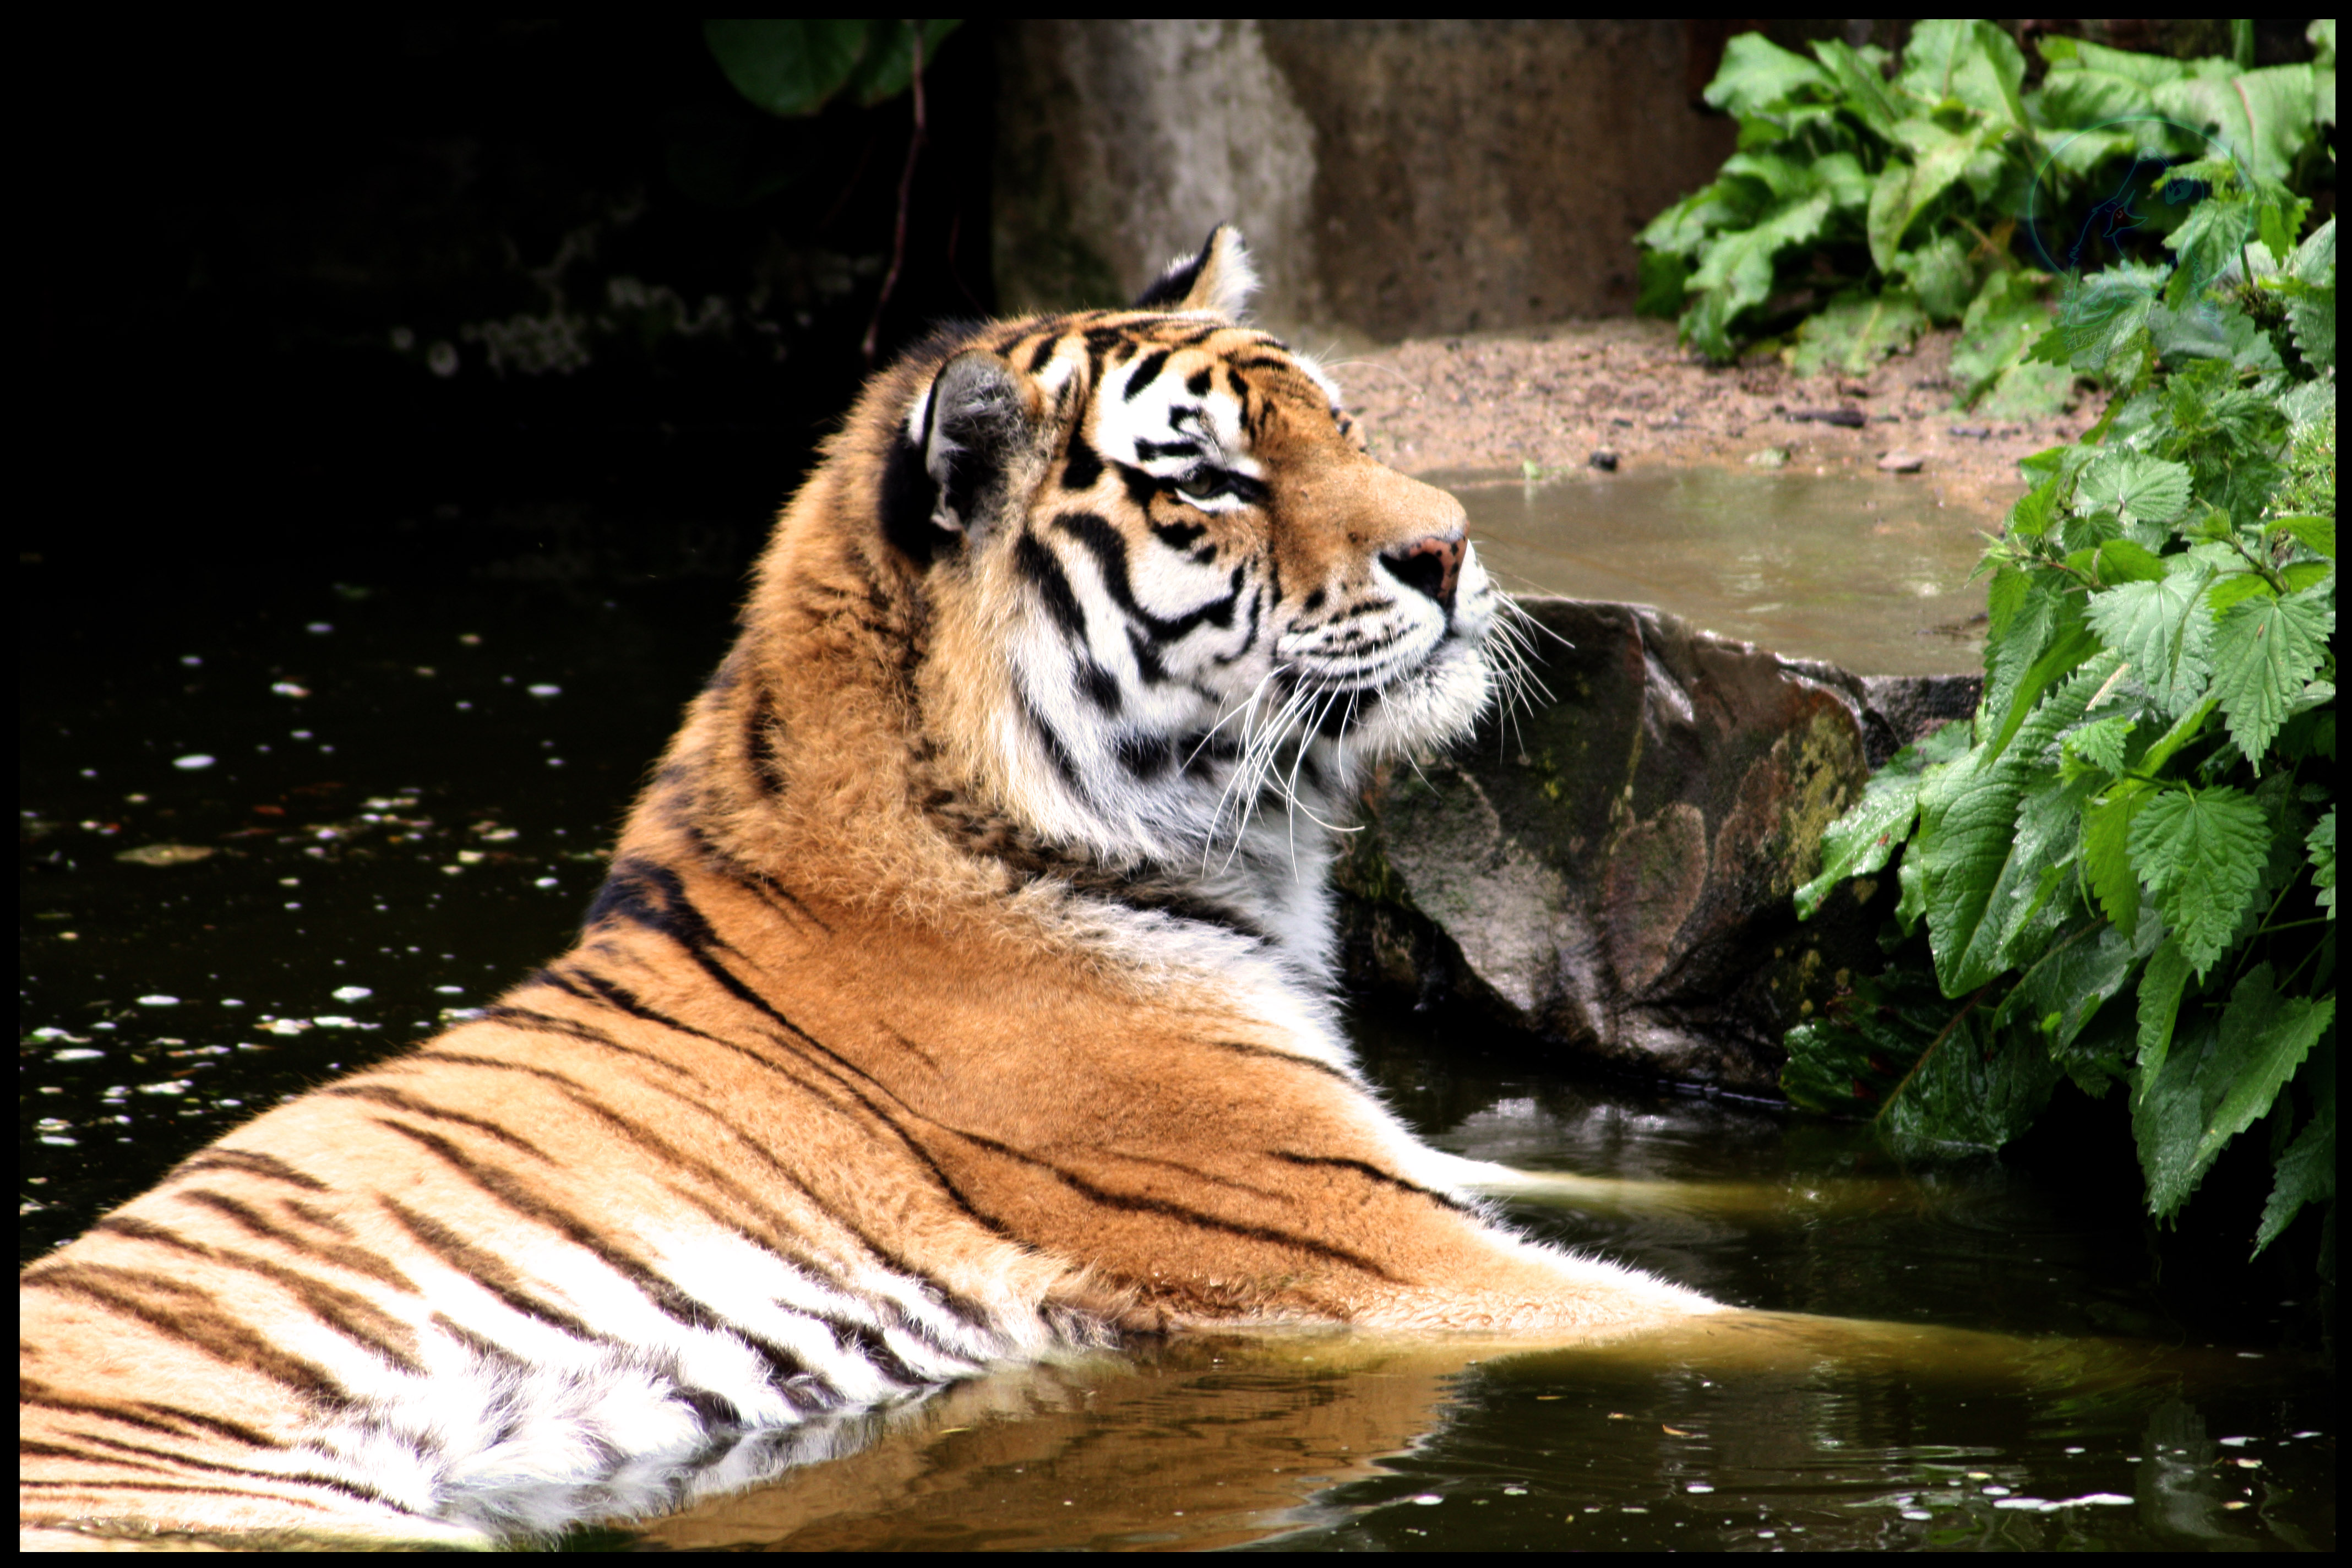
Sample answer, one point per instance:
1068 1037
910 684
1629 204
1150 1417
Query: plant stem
905 190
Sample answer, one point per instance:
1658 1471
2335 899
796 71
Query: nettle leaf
2205 1096
1861 841
2207 244
2072 982
2316 534
2103 322
1971 836
2200 854
2101 741
1970 1090
2160 1009
2134 487
2163 631
2312 320
2320 850
2264 651
2305 1174
1845 1061
2106 855
2205 330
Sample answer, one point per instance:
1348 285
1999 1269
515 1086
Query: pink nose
1430 565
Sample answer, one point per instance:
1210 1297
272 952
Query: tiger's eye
1206 485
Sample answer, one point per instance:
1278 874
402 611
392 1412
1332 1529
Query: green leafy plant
795 67
1862 207
2123 869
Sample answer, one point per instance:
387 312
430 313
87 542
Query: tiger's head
1170 609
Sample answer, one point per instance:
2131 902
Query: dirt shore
1586 393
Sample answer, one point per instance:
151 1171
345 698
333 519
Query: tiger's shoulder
958 992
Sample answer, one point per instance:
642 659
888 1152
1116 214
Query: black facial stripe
1200 381
1037 562
1152 451
1042 354
1249 636
1110 551
1100 686
1145 372
1083 468
1145 757
1147 657
1178 535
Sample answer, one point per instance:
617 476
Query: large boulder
1607 867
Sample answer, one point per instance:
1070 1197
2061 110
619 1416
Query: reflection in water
1870 572
398 842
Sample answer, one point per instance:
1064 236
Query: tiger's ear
1218 282
945 481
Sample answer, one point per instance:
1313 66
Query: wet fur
958 995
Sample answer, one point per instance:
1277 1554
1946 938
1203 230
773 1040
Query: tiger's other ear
946 478
1219 281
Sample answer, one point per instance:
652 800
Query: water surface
1866 571
406 793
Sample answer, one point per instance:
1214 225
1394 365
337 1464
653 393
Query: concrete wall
1394 178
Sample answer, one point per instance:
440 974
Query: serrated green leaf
2163 631
2101 743
2106 860
2264 651
1971 1092
1940 277
1861 841
2316 534
1972 838
789 67
2320 850
2305 1173
2200 854
2134 486
2159 1008
2103 323
1968 62
2121 561
2206 246
2312 320
2066 986
2004 319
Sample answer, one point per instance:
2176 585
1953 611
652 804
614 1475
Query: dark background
260 236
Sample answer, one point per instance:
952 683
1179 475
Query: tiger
961 993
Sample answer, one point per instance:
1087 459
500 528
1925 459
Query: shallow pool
399 810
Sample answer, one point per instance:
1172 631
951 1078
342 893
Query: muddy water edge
298 821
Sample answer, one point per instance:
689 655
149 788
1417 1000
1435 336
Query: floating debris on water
191 762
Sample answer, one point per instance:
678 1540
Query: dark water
407 790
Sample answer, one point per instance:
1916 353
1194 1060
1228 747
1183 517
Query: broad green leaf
1684 227
2079 100
1970 62
1758 76
1861 90
1970 1091
2264 117
2205 1096
888 66
1940 277
2134 486
2121 561
2160 1009
2072 982
2147 70
2206 331
2101 741
2064 654
2305 1173
2200 854
1855 331
2312 320
2163 631
1860 842
1851 1055
1905 190
2207 244
2106 858
1970 832
2002 321
2264 650
1663 274
2103 323
2316 534
2320 850
2313 260
2027 390
2023 913
789 67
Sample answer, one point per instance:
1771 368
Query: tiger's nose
1430 565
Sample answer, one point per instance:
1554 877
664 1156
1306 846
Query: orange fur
860 1005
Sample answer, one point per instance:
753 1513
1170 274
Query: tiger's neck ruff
957 993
